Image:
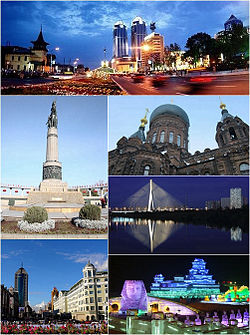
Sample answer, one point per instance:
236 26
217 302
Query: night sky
83 28
192 191
223 268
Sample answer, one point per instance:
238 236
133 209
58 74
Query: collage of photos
125 167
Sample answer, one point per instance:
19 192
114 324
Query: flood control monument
53 193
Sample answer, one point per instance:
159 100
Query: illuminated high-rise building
138 33
236 200
120 40
152 49
21 286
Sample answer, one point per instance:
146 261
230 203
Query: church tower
231 129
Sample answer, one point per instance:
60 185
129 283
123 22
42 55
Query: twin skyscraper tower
140 43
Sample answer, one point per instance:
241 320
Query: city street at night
220 84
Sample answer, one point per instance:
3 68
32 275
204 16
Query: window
13 57
86 300
87 308
24 67
146 171
162 136
18 67
91 300
99 291
154 138
91 292
99 299
19 58
171 137
25 58
179 140
244 168
232 133
100 308
185 144
90 286
92 308
89 273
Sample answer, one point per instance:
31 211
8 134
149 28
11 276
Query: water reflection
236 234
150 233
137 235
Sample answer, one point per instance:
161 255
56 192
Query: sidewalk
17 236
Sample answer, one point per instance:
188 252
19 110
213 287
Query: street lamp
55 49
75 63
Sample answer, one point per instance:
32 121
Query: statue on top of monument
52 120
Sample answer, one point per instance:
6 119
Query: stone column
52 168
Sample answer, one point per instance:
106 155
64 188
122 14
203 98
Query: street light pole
55 49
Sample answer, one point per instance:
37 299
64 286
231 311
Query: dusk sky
204 113
223 268
196 190
82 138
83 28
50 263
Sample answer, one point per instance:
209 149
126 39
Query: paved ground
222 84
6 236
6 82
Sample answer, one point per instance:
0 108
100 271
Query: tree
170 54
234 42
198 45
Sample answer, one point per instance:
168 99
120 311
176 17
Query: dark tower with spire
21 286
39 43
39 52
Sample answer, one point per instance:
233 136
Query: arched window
171 137
232 133
244 168
154 138
179 140
162 136
146 170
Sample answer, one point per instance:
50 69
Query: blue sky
204 113
82 132
83 28
50 263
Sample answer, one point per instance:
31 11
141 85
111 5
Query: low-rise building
87 299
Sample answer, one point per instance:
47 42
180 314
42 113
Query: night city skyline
81 31
191 191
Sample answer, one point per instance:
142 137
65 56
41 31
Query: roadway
221 84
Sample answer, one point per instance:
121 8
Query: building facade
236 199
232 21
197 284
21 286
120 40
27 59
164 149
138 33
9 303
152 50
88 298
